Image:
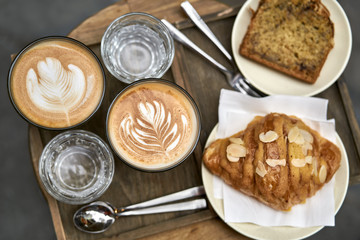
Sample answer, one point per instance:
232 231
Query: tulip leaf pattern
154 130
55 89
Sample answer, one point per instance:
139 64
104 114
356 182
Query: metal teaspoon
98 216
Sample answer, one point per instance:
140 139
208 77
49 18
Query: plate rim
312 91
219 212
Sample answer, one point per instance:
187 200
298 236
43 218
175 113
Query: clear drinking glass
137 46
76 167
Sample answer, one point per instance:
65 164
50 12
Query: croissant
277 159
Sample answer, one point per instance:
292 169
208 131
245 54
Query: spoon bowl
96 217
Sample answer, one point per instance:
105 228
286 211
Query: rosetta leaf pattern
55 89
154 130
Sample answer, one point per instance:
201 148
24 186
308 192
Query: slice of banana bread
291 36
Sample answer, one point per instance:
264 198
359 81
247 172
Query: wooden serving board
203 82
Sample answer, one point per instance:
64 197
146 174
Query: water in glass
137 51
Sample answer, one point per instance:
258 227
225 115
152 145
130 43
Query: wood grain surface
91 30
203 82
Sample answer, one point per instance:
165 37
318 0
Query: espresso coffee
153 125
56 83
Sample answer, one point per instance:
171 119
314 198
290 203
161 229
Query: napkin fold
235 112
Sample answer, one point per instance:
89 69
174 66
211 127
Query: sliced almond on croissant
236 150
237 141
276 162
269 136
260 169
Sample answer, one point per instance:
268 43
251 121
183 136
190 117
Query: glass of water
136 46
76 167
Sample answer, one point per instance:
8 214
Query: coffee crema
56 83
153 125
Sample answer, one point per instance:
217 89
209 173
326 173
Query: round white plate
277 233
272 82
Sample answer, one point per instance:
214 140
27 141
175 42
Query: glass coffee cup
56 83
153 125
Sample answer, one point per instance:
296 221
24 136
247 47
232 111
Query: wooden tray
203 82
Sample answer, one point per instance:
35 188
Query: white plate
277 233
272 82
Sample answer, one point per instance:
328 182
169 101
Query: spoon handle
188 193
195 17
183 206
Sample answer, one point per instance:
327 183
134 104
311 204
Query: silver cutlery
200 23
235 79
98 216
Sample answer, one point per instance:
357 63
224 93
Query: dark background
24 211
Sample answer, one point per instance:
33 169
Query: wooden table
203 82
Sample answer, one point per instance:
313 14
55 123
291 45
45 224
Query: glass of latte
56 83
153 125
136 46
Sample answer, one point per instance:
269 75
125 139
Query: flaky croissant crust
284 161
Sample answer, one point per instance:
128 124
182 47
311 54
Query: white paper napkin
235 112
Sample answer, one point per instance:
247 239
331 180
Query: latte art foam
152 125
153 131
56 90
56 83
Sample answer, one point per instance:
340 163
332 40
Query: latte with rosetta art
153 125
56 83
